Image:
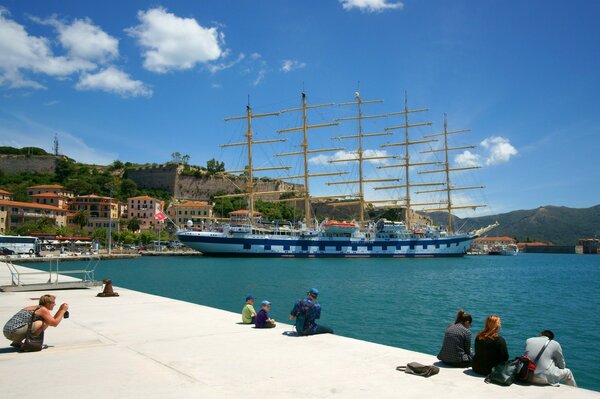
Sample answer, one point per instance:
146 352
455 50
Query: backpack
301 324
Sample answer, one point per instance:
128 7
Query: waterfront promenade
141 345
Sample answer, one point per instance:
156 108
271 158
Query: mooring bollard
108 289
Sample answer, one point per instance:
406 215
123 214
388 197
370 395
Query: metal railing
53 273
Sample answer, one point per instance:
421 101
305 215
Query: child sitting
262 318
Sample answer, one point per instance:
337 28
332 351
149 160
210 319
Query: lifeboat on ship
333 226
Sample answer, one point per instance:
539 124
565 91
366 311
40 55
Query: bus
20 244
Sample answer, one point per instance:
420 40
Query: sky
137 81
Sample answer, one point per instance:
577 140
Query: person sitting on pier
490 347
15 329
456 348
262 318
551 367
248 312
306 312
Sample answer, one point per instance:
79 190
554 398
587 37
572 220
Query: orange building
58 200
50 188
14 213
101 211
5 195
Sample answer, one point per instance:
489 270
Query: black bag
32 343
504 373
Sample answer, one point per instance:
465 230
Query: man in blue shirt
307 311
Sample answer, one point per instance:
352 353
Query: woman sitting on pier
490 347
15 329
456 349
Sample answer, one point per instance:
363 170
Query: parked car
6 251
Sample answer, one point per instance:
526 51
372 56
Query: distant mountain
556 224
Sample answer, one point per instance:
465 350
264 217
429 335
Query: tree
146 237
185 159
176 157
213 166
100 235
133 224
81 219
128 188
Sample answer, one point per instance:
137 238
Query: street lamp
110 220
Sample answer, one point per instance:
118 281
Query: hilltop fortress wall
169 178
23 163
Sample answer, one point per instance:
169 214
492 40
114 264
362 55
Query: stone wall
168 177
162 177
201 188
22 163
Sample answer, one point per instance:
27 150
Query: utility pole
109 241
55 144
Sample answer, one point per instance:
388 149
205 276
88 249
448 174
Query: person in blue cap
248 312
306 311
262 318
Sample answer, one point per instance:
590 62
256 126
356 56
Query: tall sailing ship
329 238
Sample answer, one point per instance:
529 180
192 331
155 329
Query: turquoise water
400 302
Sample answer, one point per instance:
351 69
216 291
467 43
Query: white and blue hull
262 245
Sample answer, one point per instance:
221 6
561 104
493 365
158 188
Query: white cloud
340 155
371 5
174 43
20 52
259 66
467 159
214 68
290 65
499 149
113 80
82 39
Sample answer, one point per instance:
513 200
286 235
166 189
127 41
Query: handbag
527 366
419 369
32 343
503 373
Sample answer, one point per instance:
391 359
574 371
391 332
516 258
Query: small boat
504 250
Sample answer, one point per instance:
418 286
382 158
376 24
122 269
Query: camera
66 315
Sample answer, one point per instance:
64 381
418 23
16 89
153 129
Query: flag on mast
158 214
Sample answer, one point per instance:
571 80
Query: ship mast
305 153
360 157
406 202
447 170
250 193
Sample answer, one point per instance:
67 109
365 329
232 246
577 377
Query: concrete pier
145 346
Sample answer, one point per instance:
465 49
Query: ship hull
253 245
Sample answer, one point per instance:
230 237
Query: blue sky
137 81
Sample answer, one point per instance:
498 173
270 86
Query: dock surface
141 345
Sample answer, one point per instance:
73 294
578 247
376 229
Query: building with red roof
14 213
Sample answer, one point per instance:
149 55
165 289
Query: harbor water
400 302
